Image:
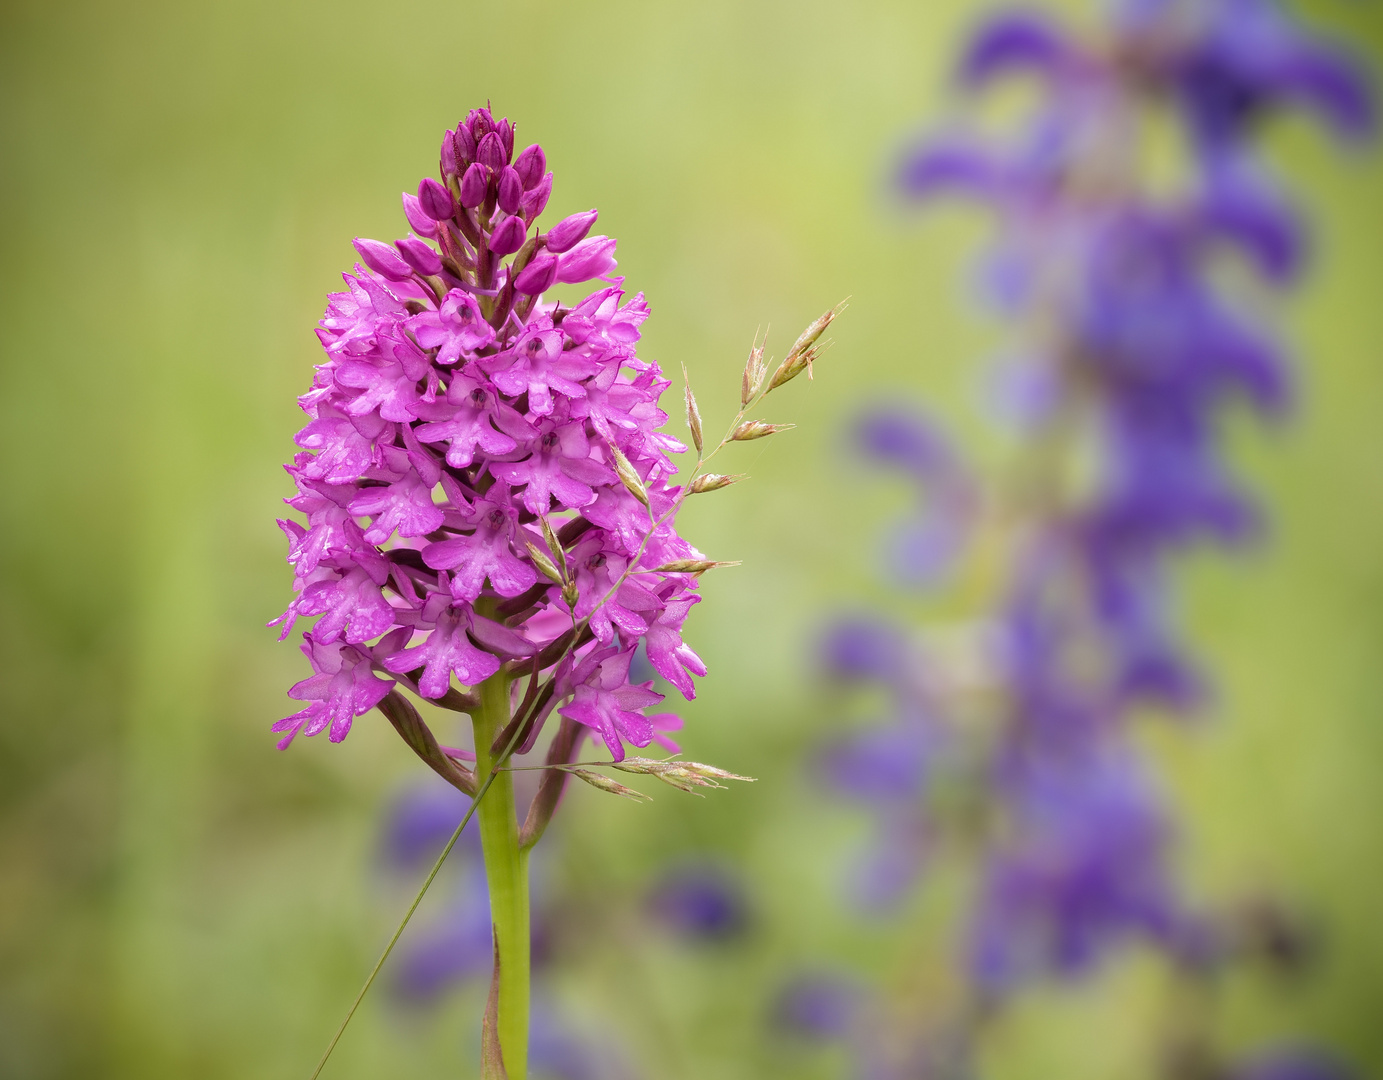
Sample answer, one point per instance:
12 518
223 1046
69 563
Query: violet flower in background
887 766
702 903
818 1006
1291 1063
923 547
454 946
1007 739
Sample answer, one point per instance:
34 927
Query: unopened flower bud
448 155
382 259
530 165
593 257
490 153
505 130
510 190
473 185
544 564
628 475
538 276
419 256
757 429
569 232
413 211
508 236
435 200
712 481
693 413
535 201
604 783
463 144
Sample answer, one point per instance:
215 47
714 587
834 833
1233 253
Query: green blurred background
180 186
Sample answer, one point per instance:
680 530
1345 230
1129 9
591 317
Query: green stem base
506 870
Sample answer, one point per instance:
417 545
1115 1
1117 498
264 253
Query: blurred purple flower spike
862 646
1239 207
455 947
885 767
906 442
924 547
1008 736
1013 42
1083 866
419 823
957 165
1239 60
563 1050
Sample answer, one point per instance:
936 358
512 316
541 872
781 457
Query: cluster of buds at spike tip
481 211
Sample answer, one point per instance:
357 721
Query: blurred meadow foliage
177 898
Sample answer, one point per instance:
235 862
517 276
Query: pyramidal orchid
491 512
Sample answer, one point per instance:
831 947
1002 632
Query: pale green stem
506 870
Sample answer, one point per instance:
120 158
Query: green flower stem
506 870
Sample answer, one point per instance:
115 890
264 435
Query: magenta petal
500 638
